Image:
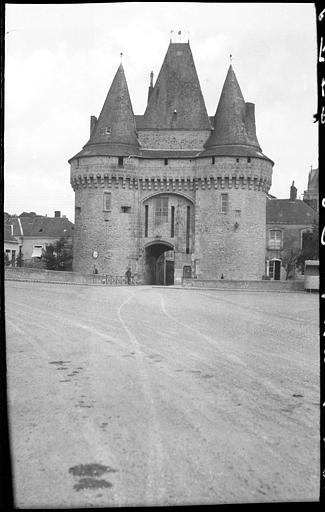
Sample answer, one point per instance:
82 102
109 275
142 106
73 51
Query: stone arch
165 193
158 270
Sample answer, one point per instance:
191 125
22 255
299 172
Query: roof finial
171 35
151 79
179 33
230 58
121 56
188 36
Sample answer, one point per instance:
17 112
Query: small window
77 163
166 161
172 222
78 210
120 161
37 251
213 160
249 159
224 203
107 201
237 160
126 209
237 212
275 239
106 130
146 217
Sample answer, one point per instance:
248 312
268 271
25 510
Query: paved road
150 396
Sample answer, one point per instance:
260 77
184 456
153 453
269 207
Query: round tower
234 177
105 209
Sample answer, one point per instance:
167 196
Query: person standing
128 275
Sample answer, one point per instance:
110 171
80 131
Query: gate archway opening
159 264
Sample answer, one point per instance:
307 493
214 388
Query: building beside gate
174 191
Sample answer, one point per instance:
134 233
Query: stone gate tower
173 192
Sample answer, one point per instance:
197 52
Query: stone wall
232 244
172 139
263 286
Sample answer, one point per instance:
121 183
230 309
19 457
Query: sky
60 60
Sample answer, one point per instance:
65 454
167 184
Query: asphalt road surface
137 396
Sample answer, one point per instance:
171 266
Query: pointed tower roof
176 101
234 131
114 133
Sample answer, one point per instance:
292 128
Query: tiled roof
52 227
235 150
176 101
284 211
8 237
13 221
234 121
313 180
114 133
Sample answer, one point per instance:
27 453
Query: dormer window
213 160
166 161
106 131
120 161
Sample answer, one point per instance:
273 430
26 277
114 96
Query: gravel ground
161 396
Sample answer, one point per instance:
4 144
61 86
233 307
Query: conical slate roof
234 121
176 101
114 133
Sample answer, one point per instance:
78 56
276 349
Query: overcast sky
61 60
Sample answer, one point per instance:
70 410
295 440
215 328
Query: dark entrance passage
158 269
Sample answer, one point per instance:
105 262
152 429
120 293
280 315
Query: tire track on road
216 344
154 489
67 319
259 311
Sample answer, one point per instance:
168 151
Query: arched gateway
159 263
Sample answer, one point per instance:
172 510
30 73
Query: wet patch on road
60 363
93 469
91 483
64 365
200 374
156 358
88 473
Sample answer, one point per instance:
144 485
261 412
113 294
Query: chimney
293 192
93 121
57 213
150 86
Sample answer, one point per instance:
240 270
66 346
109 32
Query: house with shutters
34 232
287 223
174 191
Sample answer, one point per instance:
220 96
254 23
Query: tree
58 256
310 248
19 260
289 261
6 260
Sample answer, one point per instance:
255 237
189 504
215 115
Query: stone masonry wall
219 246
113 233
223 247
171 139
